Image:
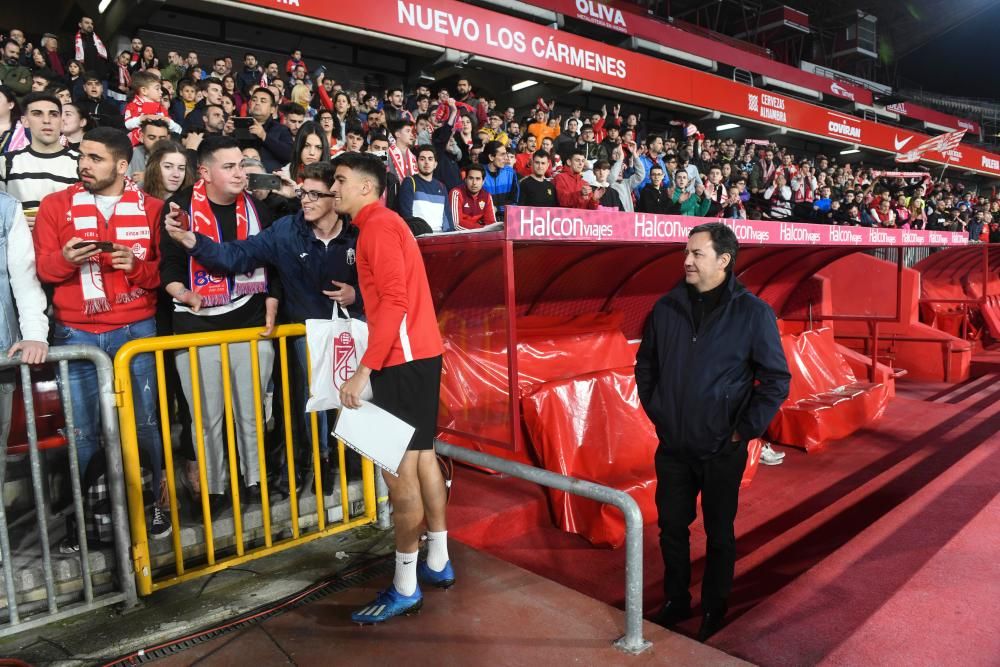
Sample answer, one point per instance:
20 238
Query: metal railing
246 545
53 610
632 642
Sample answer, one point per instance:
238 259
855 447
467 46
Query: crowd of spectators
546 155
258 134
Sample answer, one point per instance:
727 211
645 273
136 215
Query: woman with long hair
12 134
148 59
230 88
310 147
166 170
302 96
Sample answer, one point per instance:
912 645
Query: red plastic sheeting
826 401
593 427
474 381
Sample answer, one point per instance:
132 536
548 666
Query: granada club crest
343 358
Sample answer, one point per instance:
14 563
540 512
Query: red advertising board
621 18
478 31
917 112
569 224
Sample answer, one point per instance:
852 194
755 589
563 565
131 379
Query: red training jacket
568 187
402 325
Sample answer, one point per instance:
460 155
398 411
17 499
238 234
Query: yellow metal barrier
213 561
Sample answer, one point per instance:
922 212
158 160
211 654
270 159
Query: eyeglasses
312 195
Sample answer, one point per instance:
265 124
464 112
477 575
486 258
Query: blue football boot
387 604
443 579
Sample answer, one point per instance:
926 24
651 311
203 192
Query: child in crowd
146 103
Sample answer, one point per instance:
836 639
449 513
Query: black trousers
678 481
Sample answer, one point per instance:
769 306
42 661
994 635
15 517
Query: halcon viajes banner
568 224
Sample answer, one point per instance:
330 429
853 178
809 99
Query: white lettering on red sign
548 226
769 107
991 163
288 3
796 233
876 235
845 235
457 26
748 233
967 125
601 14
934 238
841 127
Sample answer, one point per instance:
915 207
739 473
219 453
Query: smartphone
263 182
241 128
321 70
103 246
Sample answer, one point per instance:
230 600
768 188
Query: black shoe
711 622
251 495
672 613
329 473
217 504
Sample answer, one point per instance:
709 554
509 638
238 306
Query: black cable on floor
341 581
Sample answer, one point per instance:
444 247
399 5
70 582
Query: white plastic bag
336 347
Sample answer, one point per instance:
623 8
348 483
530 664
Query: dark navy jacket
305 264
699 387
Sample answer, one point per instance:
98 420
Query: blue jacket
503 186
427 200
305 264
699 387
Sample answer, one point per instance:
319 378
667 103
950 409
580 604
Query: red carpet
882 539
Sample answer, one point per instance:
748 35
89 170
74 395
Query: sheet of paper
375 434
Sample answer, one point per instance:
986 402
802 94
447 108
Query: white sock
437 550
405 580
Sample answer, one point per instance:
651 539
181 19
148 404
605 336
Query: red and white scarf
219 290
404 164
767 169
102 285
98 44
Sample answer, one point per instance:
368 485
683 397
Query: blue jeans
83 390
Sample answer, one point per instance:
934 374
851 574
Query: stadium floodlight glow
101 8
726 126
527 83
849 151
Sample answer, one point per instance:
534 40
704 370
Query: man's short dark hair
266 91
115 140
540 153
602 164
476 167
491 148
92 76
155 122
10 40
210 145
295 108
355 129
248 54
422 148
366 164
186 83
655 167
320 171
397 125
205 83
40 96
44 73
723 241
573 152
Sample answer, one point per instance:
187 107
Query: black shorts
411 391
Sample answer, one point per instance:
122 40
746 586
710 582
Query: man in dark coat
711 374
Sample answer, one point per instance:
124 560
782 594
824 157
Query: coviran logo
842 128
597 12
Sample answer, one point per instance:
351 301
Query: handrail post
632 642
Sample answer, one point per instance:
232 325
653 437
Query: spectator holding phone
97 244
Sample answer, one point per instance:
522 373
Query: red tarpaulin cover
825 401
593 427
474 379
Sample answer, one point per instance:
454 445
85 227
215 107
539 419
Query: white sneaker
769 457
